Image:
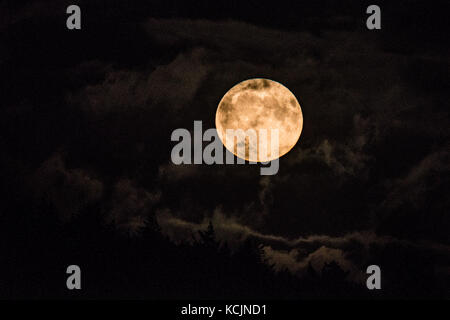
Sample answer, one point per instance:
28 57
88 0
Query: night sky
86 175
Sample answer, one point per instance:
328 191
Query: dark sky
86 119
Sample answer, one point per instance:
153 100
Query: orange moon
259 104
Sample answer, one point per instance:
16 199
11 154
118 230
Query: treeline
146 266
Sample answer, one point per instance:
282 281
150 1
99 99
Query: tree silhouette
208 237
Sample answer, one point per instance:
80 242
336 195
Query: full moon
261 105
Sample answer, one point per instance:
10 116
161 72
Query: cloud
131 207
427 176
69 191
291 261
353 252
415 204
225 37
172 85
176 84
173 173
229 228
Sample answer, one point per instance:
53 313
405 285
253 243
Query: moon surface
265 107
